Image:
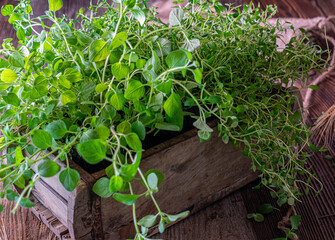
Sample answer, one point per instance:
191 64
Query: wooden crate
196 175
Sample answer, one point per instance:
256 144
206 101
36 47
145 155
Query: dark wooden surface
225 219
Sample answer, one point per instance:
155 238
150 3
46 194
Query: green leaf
93 151
12 99
161 226
173 218
8 76
40 88
7 116
197 75
100 88
258 217
115 183
16 60
69 179
204 135
191 45
138 128
72 75
314 87
124 127
152 180
140 63
98 51
167 126
165 87
129 3
117 101
265 208
41 139
139 16
7 10
128 172
48 168
64 82
147 221
20 34
55 5
68 97
201 125
103 132
176 16
174 111
120 70
159 175
134 142
225 139
57 129
119 39
11 195
108 112
128 199
26 203
176 58
101 188
135 90
18 155
295 221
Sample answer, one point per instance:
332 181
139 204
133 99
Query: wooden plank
186 169
225 219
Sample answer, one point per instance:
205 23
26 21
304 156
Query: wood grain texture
225 219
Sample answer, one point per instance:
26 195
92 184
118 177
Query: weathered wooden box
196 175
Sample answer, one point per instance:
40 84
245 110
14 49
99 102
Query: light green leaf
152 180
16 60
201 125
69 179
98 51
176 58
55 5
176 16
191 45
127 199
135 90
140 63
139 16
167 126
117 101
41 139
124 127
68 97
204 135
48 168
72 75
101 188
26 203
18 155
147 221
103 132
197 75
119 39
115 183
100 88
64 82
120 70
173 218
134 142
7 10
8 115
159 175
57 129
8 76
40 88
93 151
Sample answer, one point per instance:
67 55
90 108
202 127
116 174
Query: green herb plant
101 82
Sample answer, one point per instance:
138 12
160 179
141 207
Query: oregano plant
100 83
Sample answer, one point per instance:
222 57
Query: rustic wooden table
226 219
